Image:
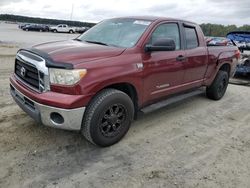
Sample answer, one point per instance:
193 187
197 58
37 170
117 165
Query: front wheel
219 86
107 117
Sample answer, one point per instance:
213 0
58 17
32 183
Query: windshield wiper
96 42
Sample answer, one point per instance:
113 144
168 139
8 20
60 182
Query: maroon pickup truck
98 82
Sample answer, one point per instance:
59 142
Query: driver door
59 28
163 70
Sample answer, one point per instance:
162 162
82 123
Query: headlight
66 77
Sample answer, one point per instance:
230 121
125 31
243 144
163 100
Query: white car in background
62 28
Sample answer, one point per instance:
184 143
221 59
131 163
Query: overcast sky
200 11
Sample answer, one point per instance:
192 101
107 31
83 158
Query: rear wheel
70 31
219 86
107 117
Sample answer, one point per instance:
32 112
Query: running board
171 100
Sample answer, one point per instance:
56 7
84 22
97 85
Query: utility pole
72 10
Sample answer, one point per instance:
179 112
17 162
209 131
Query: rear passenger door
196 56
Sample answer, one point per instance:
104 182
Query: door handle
181 58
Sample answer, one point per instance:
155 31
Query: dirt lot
195 143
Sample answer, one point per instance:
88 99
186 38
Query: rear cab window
191 37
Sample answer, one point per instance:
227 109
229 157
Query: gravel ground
194 143
11 34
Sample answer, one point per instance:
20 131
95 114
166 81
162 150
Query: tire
219 86
102 127
26 29
55 31
70 31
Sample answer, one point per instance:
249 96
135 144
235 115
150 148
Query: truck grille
27 73
32 71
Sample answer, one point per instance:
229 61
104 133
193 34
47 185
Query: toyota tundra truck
97 83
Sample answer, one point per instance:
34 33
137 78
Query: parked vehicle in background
62 28
218 41
22 25
35 27
243 68
81 29
242 40
98 82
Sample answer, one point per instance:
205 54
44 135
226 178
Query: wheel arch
226 67
130 90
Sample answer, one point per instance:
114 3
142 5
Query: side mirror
161 45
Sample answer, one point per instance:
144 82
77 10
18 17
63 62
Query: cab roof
155 18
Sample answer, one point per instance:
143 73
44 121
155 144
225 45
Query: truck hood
75 52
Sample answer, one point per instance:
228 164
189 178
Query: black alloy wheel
219 86
113 120
107 117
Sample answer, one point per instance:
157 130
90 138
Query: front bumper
70 119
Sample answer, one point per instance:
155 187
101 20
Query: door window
191 38
167 31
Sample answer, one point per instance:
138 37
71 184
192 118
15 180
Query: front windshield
121 32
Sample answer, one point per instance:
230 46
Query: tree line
208 29
221 30
26 19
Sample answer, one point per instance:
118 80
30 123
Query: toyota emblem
23 72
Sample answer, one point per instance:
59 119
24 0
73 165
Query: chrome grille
29 75
32 71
